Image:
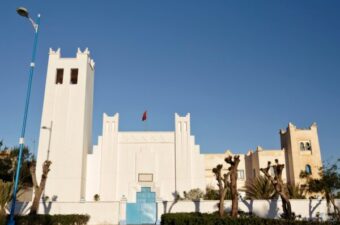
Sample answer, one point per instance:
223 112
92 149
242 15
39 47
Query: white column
122 211
159 210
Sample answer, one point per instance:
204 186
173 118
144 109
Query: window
74 76
302 146
308 146
240 174
308 169
59 76
305 146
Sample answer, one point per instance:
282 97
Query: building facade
124 165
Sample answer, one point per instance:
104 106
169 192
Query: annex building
138 165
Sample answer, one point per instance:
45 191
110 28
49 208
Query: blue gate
144 210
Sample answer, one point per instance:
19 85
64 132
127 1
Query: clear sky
243 69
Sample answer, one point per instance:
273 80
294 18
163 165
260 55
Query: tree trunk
286 206
279 187
233 183
222 184
35 203
234 194
38 190
221 204
335 208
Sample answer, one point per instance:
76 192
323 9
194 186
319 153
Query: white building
123 164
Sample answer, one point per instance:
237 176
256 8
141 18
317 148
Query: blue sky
243 69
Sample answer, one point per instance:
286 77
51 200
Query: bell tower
302 152
66 134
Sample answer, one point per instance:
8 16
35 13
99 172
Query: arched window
302 146
308 146
308 169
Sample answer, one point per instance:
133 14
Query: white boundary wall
105 213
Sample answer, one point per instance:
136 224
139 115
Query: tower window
74 76
308 169
302 146
59 76
305 146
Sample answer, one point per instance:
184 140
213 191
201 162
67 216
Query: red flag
144 116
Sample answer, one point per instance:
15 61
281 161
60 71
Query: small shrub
214 219
212 194
194 194
96 197
72 219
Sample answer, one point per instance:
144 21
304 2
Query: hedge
72 219
214 219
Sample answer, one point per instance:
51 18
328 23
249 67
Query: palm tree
260 188
5 197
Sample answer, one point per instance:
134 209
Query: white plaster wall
198 175
262 208
93 171
119 157
102 213
69 107
146 152
109 159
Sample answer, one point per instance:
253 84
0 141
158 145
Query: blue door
144 210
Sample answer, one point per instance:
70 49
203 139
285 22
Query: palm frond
260 188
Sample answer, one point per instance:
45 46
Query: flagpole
144 119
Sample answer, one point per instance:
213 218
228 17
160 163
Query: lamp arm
34 24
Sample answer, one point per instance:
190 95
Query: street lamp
49 138
24 12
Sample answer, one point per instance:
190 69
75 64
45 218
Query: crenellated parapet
56 54
291 126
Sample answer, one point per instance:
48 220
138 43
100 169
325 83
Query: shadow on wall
248 203
21 207
176 199
273 209
48 204
313 208
197 205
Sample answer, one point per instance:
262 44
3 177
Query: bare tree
279 186
222 183
228 182
233 182
38 189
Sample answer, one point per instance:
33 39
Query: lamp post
23 12
49 138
